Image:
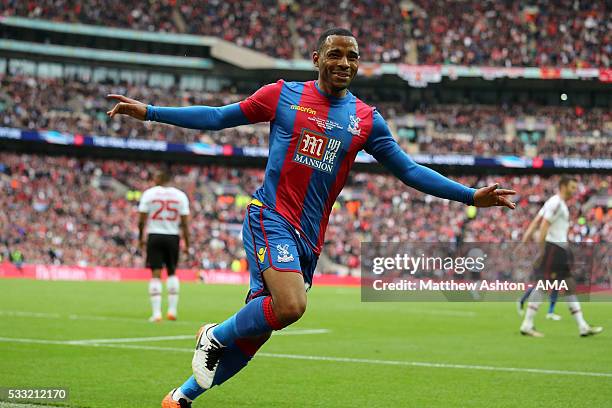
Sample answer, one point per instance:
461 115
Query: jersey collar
333 100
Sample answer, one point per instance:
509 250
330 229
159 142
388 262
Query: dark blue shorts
271 242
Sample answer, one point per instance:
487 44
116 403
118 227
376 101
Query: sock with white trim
172 285
574 306
155 291
532 309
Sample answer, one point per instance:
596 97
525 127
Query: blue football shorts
271 242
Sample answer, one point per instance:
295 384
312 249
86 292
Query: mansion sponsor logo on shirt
316 150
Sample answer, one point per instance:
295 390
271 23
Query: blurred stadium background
517 92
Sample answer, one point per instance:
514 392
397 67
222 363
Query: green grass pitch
365 355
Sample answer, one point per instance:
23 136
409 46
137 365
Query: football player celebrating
317 129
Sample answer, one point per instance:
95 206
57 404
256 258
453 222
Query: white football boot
206 357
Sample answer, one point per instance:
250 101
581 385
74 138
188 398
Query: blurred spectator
77 107
61 210
560 33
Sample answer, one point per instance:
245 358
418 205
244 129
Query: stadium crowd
560 33
73 211
74 106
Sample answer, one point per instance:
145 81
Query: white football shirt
555 211
165 205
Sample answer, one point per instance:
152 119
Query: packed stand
260 25
564 33
84 212
136 15
61 210
548 131
560 33
77 107
263 25
378 26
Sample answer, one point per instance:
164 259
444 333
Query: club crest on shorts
283 253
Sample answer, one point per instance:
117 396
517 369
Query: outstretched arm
259 107
192 117
199 117
386 150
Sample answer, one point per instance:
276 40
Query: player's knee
291 311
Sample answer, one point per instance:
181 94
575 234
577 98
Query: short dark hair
164 173
332 31
565 180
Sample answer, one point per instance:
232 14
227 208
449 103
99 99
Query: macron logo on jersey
305 109
316 150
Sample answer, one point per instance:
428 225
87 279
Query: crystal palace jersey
314 139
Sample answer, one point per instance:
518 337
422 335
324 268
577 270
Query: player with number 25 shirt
164 210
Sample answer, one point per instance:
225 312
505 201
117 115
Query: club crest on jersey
317 150
353 127
283 253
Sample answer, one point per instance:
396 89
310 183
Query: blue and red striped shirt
314 139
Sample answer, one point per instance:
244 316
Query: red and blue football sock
254 319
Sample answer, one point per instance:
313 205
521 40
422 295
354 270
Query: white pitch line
454 313
436 365
299 332
289 331
131 339
39 315
330 359
17 313
294 332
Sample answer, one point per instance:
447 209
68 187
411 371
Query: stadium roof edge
223 50
111 32
104 55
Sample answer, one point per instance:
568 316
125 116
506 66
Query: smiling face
337 61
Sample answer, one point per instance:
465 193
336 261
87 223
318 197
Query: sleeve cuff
149 115
470 196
